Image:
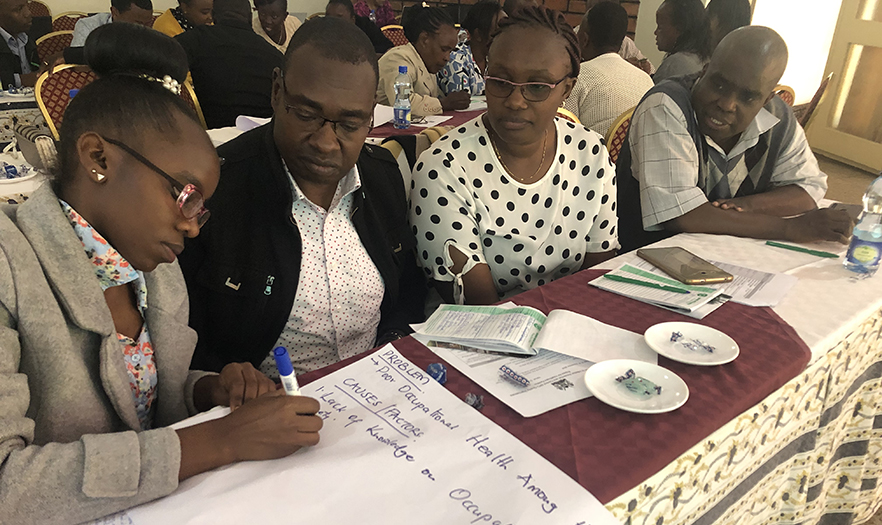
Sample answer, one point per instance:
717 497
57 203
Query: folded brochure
653 288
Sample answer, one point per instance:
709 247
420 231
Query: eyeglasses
189 198
531 91
346 129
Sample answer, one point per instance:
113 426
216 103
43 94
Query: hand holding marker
286 371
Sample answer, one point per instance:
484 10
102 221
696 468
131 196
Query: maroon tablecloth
609 451
458 117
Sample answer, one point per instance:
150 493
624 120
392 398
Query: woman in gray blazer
94 342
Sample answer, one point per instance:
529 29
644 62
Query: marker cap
283 361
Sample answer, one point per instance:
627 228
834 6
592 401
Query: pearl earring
99 176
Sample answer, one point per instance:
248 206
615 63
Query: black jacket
243 269
11 64
378 39
232 71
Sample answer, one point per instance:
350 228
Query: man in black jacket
308 246
19 64
232 67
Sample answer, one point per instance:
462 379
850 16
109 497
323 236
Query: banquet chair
407 149
786 94
53 92
395 34
804 112
618 133
189 97
53 43
568 115
67 21
39 8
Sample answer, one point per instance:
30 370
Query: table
457 118
20 109
810 451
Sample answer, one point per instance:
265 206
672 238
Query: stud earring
99 176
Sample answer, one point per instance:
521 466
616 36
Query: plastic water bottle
402 99
865 249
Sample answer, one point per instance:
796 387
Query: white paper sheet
246 123
383 114
577 335
754 287
430 121
396 448
477 103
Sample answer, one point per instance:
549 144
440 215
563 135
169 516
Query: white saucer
658 337
601 381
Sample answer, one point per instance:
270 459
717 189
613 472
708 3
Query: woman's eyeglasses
531 91
190 200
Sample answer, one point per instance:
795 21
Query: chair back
39 8
53 43
786 94
568 115
618 133
806 117
189 97
314 15
156 14
53 92
67 21
395 34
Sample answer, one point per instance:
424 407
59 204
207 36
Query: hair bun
134 50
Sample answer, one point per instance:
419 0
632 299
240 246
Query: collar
762 123
347 185
414 56
110 267
9 39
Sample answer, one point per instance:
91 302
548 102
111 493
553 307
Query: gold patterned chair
66 21
618 133
38 8
53 92
805 111
786 94
189 97
395 34
568 115
53 43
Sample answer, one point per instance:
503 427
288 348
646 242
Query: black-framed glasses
531 91
346 128
190 200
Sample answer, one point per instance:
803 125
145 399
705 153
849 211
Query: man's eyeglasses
531 91
190 200
345 129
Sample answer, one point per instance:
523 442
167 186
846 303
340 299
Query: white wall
806 25
299 8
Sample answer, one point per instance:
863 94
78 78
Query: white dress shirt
337 307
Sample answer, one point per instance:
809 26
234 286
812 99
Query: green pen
647 284
816 253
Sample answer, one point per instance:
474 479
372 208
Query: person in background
19 63
719 153
273 22
379 12
682 33
232 68
629 50
431 38
188 14
469 59
309 246
607 85
131 11
94 346
725 16
343 9
517 197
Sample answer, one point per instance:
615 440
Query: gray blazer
71 448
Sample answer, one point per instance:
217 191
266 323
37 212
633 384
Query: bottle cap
402 69
283 361
73 92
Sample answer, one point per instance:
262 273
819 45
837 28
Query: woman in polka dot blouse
516 198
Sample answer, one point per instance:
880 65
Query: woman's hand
270 427
456 100
236 384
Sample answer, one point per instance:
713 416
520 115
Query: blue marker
286 371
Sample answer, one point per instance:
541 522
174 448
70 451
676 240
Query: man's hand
236 384
456 100
820 225
731 204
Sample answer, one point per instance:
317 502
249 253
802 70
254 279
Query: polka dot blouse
529 234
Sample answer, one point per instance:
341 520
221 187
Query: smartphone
684 265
